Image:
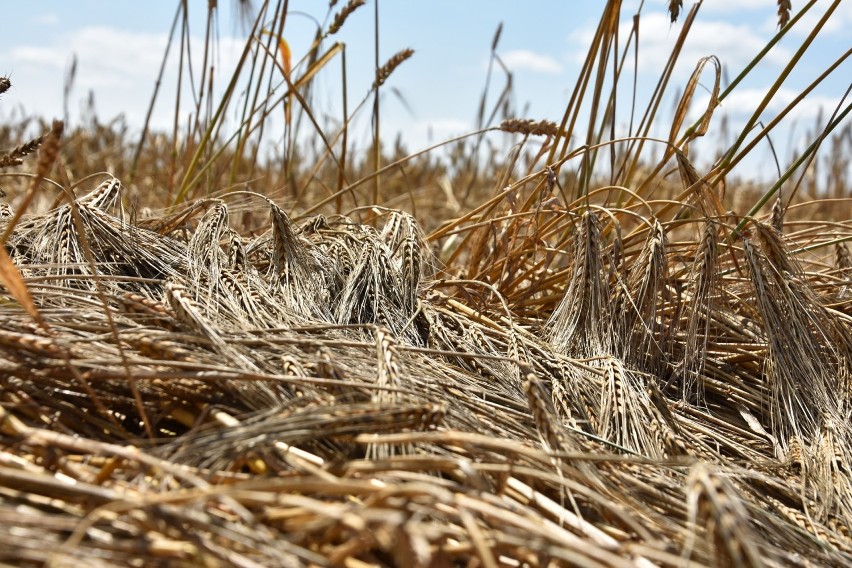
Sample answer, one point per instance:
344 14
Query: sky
119 44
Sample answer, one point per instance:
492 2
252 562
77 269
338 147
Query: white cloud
743 102
734 44
419 134
728 6
118 52
630 6
525 60
838 23
794 133
120 66
46 19
443 127
36 55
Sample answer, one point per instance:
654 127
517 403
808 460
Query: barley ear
778 216
16 155
784 9
345 12
529 127
390 66
675 6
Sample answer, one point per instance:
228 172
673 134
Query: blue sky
119 45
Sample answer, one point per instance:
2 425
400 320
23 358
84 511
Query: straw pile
323 393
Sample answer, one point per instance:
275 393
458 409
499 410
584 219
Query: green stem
778 82
790 171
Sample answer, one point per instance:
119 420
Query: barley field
568 354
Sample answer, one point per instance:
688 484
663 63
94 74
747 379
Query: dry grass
610 366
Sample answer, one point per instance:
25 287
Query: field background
591 307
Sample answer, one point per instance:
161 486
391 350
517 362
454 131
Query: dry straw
326 365
586 362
